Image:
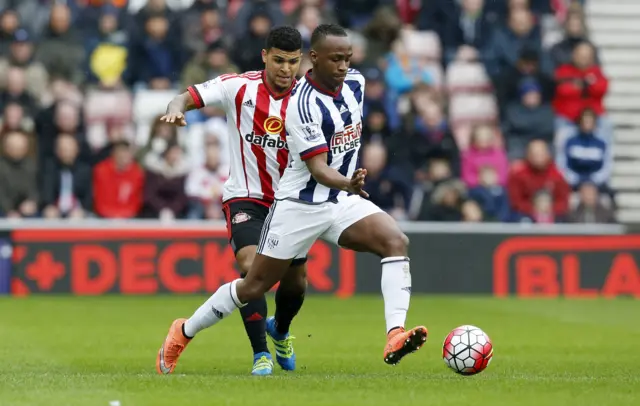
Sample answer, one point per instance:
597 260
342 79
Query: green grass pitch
90 351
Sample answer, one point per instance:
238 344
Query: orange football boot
401 343
172 347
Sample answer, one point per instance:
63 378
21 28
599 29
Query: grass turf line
89 351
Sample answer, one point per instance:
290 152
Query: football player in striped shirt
321 194
256 104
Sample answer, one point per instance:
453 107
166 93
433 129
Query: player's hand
175 119
357 183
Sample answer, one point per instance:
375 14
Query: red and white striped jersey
258 146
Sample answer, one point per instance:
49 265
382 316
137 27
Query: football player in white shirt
321 195
255 103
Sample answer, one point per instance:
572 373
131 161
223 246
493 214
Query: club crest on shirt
273 125
240 217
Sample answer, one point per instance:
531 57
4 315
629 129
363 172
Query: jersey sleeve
304 127
217 91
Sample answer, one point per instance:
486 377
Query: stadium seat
472 109
467 77
423 44
104 108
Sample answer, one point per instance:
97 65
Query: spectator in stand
381 33
375 94
16 91
472 212
581 84
408 11
590 209
310 18
164 188
204 186
62 118
356 14
575 32
585 157
447 201
429 133
32 14
504 48
161 135
114 136
527 69
21 55
386 185
359 49
204 30
247 52
61 49
155 58
66 182
543 211
467 31
14 119
405 72
324 7
428 177
151 9
18 177
9 24
108 102
249 9
376 126
537 173
527 120
118 184
106 51
484 152
491 196
213 63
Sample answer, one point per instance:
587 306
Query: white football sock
221 304
396 290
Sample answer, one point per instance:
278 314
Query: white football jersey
319 121
255 117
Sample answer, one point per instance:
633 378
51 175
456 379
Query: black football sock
288 305
254 316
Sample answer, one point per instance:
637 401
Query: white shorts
291 227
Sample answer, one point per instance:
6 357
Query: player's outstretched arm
176 109
331 178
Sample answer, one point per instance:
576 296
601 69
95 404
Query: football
467 350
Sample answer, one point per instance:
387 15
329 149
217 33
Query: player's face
281 66
331 60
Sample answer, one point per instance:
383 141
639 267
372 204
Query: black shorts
245 219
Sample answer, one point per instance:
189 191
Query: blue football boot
285 356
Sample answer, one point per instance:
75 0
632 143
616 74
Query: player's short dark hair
285 38
324 30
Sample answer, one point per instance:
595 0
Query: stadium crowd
475 110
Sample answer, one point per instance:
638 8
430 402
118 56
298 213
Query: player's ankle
394 330
184 334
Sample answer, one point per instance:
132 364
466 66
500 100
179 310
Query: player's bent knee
396 245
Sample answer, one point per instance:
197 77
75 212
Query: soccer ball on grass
467 350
